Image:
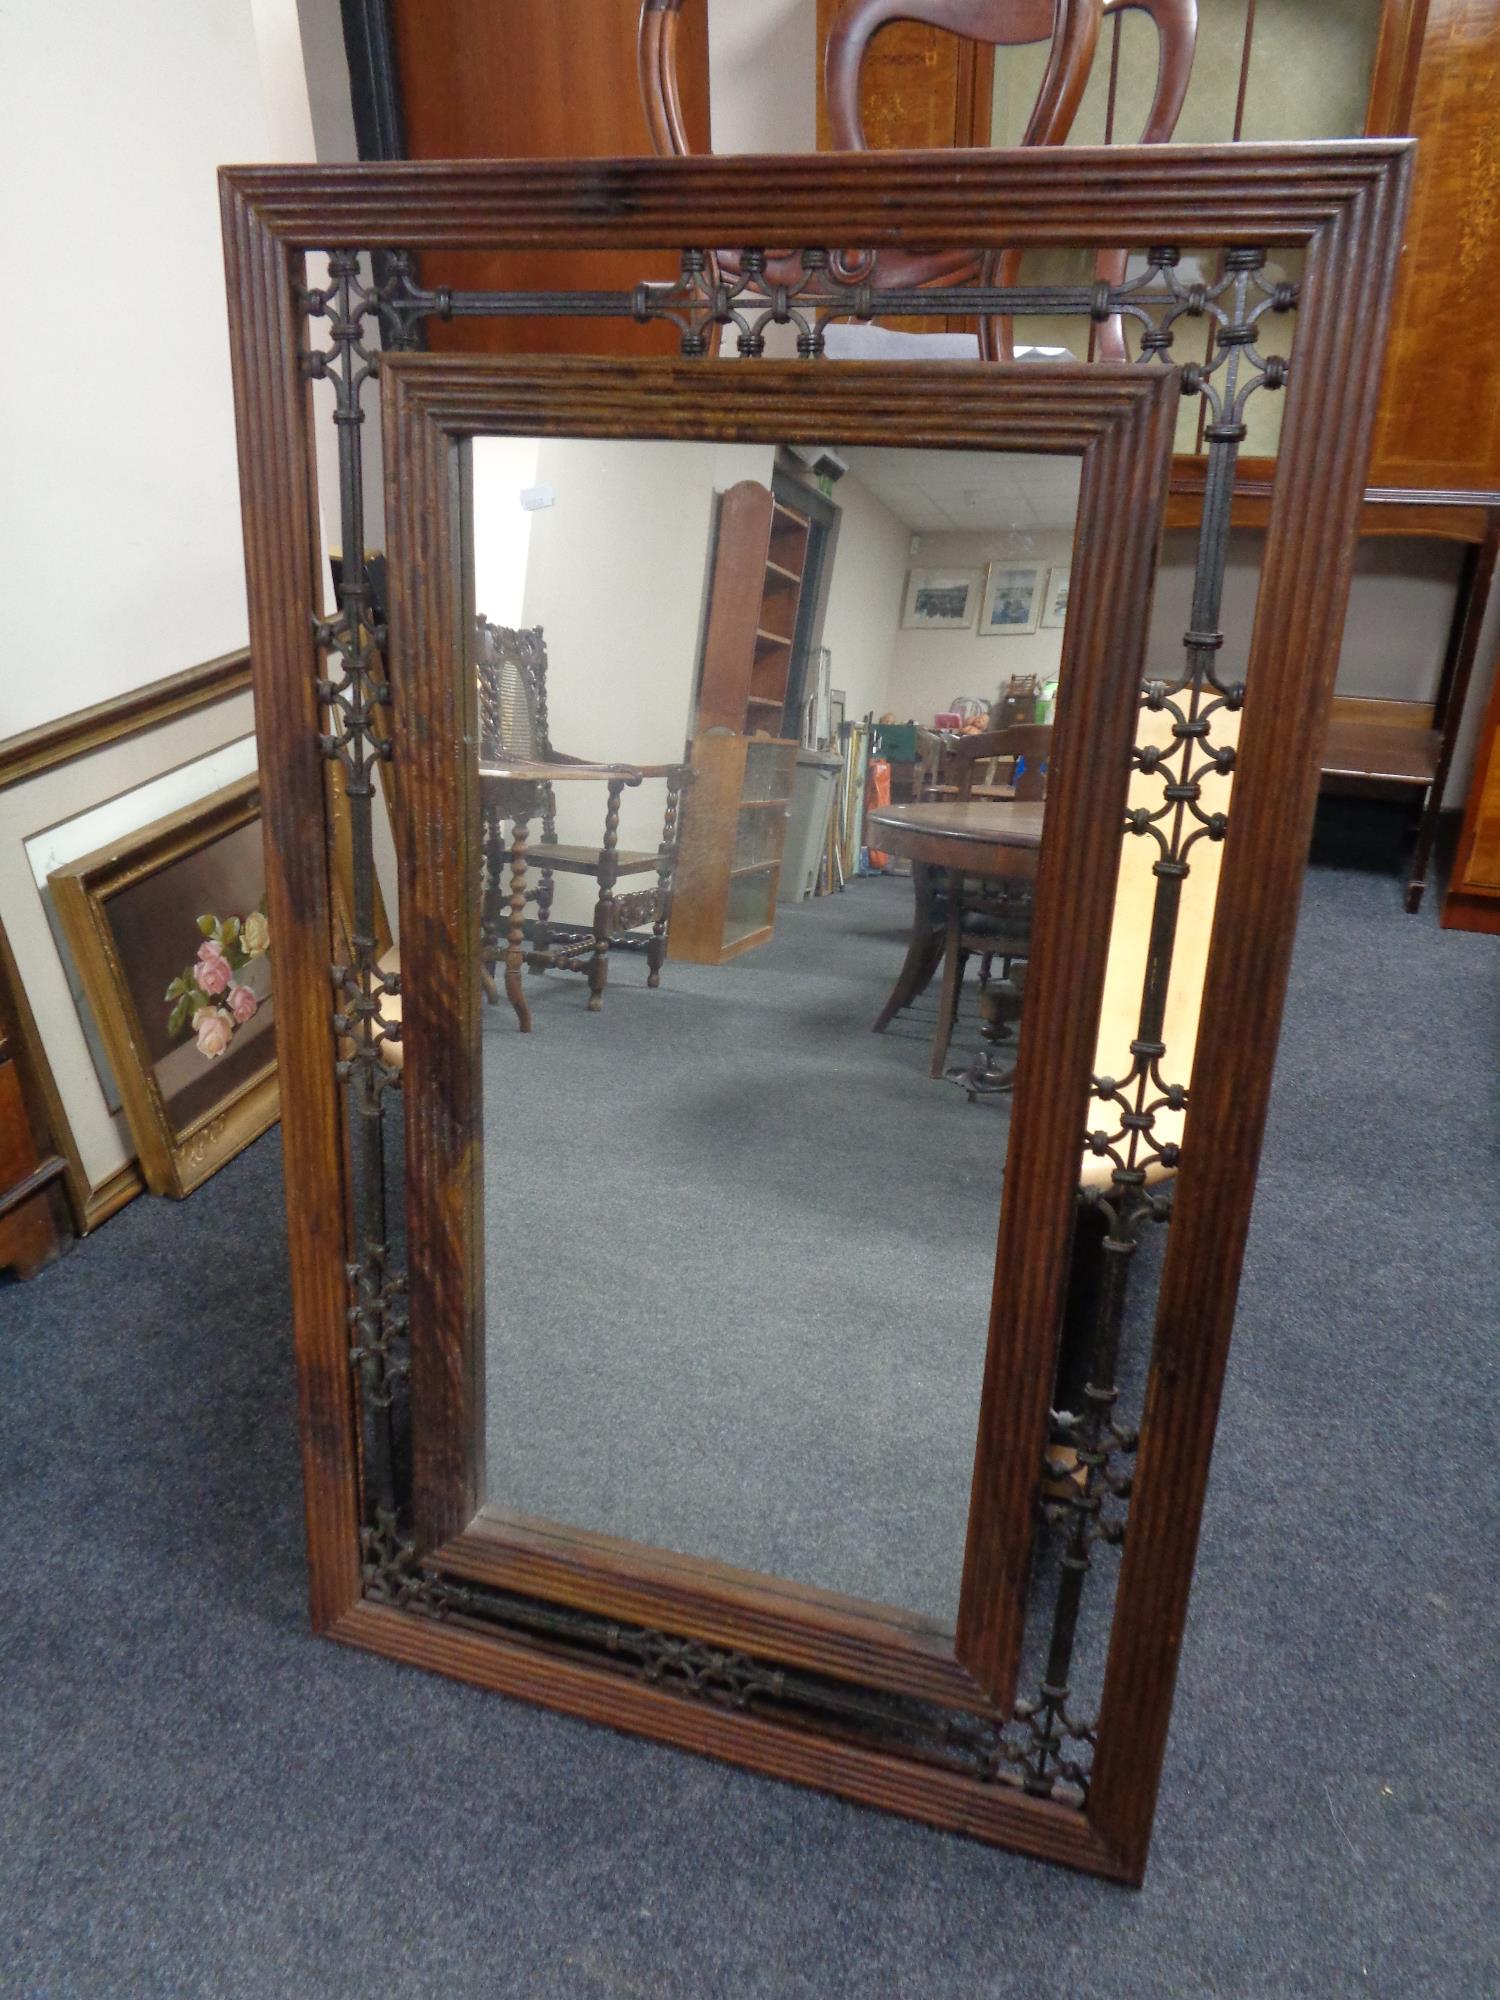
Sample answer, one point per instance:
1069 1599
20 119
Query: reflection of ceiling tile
969 491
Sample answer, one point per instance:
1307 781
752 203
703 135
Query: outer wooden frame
1119 423
1343 204
174 1162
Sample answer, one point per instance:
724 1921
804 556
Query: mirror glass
746 1107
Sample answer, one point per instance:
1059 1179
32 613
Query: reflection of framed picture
168 932
1012 600
1055 610
940 600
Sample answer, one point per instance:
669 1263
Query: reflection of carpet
740 1255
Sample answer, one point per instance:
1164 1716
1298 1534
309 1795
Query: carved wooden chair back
1071 27
512 669
1027 744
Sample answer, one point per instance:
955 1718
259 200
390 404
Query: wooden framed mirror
588 1542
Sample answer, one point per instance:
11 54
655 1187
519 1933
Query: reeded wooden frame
174 1162
1343 205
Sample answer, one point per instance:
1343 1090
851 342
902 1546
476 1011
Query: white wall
762 59
503 468
931 668
616 574
1400 608
120 517
864 597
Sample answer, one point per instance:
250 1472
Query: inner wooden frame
1118 422
1344 205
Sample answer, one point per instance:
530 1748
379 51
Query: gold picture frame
192 1103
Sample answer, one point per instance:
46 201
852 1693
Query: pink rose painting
213 971
209 999
214 1030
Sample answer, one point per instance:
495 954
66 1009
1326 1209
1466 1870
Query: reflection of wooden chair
518 772
1071 27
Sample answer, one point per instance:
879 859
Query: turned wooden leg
666 870
491 902
656 950
604 909
953 973
1453 688
541 936
514 947
923 950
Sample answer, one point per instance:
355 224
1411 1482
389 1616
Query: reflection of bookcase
734 820
730 867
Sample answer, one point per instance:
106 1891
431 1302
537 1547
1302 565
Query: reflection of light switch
535 497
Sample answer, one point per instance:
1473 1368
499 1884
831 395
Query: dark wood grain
31 1227
1450 516
1062 195
284 578
1437 76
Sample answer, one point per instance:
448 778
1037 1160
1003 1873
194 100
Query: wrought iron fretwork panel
1084 1482
1234 247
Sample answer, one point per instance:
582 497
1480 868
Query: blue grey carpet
200 1799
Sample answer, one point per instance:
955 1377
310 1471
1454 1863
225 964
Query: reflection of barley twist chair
518 773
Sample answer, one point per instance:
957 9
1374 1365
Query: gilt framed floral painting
168 930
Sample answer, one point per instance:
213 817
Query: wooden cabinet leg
1453 688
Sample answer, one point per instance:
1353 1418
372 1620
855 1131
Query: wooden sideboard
1437 75
35 1221
1473 900
535 80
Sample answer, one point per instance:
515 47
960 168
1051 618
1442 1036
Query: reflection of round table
978 836
988 837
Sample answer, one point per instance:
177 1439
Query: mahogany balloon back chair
1070 27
